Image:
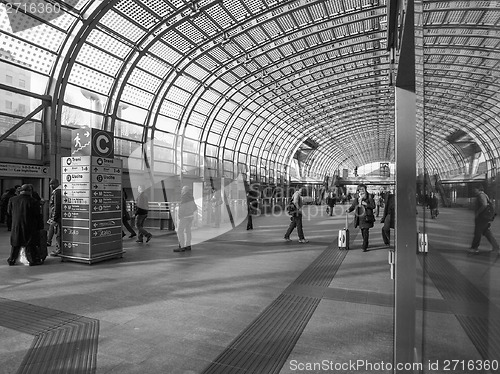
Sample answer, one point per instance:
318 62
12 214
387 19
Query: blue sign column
91 198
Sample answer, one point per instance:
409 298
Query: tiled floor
166 312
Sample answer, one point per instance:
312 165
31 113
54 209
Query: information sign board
91 198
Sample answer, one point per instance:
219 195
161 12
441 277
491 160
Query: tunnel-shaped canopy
234 86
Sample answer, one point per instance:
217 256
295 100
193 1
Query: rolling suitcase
344 236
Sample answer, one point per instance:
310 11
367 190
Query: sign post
91 198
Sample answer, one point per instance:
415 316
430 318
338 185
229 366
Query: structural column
406 180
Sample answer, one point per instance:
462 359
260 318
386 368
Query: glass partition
457 286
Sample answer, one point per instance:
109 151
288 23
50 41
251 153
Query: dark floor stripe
322 270
265 344
451 283
64 342
479 318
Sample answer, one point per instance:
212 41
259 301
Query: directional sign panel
76 161
76 169
75 207
78 215
75 249
76 200
107 186
91 199
111 193
80 235
106 178
106 200
77 177
105 232
76 186
106 223
109 162
75 193
106 170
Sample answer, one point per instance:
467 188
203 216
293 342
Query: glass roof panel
178 41
99 60
154 66
128 30
144 80
166 53
88 78
140 14
136 96
281 68
108 43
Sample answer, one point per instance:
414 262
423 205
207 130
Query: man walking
482 222
141 213
296 219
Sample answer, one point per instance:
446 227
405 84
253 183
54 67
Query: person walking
296 218
141 214
252 204
4 203
363 217
388 218
379 203
482 222
216 202
331 200
17 189
126 217
433 205
26 223
187 210
55 216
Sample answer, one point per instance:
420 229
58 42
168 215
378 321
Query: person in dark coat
187 210
433 205
26 223
4 203
252 206
388 219
363 206
141 213
331 200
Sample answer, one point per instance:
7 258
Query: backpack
489 213
291 209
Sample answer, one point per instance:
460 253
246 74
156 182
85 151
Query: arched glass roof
242 85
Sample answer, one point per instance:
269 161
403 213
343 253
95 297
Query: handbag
369 217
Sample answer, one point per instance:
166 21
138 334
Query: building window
8 104
22 108
22 83
8 79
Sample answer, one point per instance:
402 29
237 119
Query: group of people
364 206
27 226
21 208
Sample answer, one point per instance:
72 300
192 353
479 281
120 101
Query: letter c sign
102 144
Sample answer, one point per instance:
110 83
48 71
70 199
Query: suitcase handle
346 215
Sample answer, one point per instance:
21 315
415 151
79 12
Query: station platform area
247 301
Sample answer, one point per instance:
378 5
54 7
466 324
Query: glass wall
457 286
